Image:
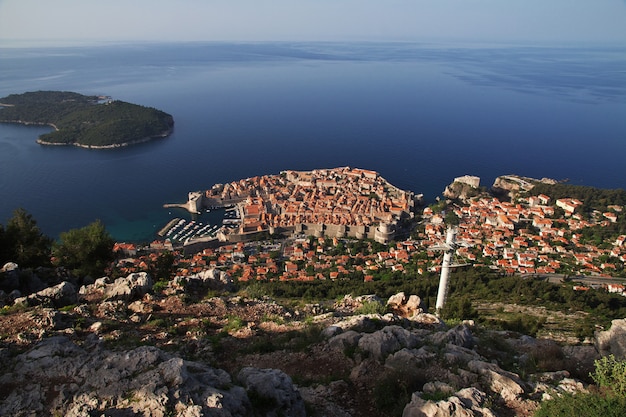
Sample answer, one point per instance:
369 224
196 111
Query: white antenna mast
449 248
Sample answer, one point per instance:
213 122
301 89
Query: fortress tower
384 233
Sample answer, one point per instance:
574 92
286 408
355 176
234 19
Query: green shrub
593 404
459 308
436 396
255 290
371 307
607 400
234 323
159 286
610 374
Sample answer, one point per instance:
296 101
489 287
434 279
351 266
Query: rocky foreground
120 348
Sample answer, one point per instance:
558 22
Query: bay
419 114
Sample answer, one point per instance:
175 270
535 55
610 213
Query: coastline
113 146
25 123
162 135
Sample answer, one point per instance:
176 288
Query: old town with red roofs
529 235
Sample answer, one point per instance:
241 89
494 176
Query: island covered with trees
86 121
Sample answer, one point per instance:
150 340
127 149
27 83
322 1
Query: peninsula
96 122
339 202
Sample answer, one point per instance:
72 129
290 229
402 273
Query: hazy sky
533 21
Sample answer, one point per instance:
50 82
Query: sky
59 22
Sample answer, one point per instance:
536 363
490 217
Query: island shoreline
149 122
162 135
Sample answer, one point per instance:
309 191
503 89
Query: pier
168 226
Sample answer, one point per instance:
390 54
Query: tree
23 242
451 219
86 251
164 266
4 246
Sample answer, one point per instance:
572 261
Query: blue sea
419 114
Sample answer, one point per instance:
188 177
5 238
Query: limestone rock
613 340
346 340
396 300
9 277
361 323
507 384
367 370
463 188
210 278
331 331
409 358
9 266
130 288
26 281
113 310
139 307
56 377
437 386
58 296
405 307
467 402
368 298
133 287
460 335
457 355
427 319
387 340
321 397
52 319
272 391
349 304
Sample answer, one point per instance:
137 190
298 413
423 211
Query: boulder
468 402
26 281
458 355
139 307
387 340
271 392
414 304
409 358
58 296
9 277
427 319
613 340
345 341
360 323
460 335
331 331
209 278
507 384
396 300
9 266
405 307
133 287
436 387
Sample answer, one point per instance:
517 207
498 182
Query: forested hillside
85 120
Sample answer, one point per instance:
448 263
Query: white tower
442 293
449 248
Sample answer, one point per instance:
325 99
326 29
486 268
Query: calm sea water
418 114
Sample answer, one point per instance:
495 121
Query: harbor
182 231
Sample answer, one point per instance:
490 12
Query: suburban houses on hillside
525 237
